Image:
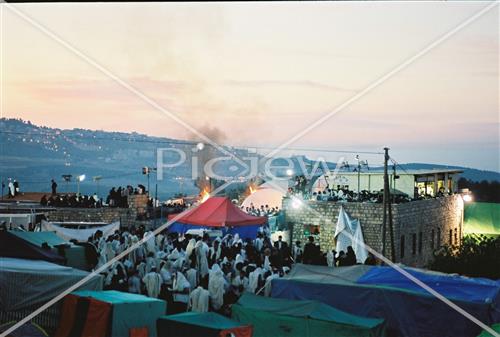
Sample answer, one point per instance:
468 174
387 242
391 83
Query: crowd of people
71 200
343 194
118 197
263 210
201 273
190 272
13 188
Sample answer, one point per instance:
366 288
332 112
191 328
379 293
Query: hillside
34 155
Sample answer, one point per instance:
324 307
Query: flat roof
400 172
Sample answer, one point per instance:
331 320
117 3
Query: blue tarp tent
408 311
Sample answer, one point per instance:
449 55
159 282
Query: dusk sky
262 72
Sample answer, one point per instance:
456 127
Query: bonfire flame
204 195
252 189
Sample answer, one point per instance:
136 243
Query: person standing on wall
54 187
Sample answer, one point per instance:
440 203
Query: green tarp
482 218
129 310
38 238
280 317
196 324
206 319
495 327
74 255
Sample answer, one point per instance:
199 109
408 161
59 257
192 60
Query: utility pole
387 219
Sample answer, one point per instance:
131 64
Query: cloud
297 83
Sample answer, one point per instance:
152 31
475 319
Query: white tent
349 233
267 194
79 234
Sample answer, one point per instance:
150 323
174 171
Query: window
438 239
414 244
402 246
451 237
311 230
432 239
420 237
456 236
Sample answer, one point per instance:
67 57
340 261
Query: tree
478 256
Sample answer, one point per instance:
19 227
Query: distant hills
34 155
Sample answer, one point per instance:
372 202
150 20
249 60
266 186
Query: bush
478 256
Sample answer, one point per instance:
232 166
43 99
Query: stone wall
423 221
428 217
127 216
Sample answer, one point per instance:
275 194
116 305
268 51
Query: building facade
420 227
410 182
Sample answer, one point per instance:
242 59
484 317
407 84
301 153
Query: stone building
420 227
409 182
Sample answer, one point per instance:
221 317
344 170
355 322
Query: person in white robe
152 282
267 285
190 248
165 273
201 250
199 300
253 279
216 284
192 277
330 258
150 242
141 268
134 283
180 287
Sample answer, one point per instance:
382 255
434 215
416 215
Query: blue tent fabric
244 232
407 312
457 287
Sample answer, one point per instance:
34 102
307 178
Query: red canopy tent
220 213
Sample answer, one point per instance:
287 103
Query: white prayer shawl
150 263
116 246
239 281
216 284
217 253
166 275
134 284
179 285
180 282
258 244
192 277
179 263
150 242
159 241
198 300
201 258
238 259
253 280
153 282
11 189
141 268
330 259
267 286
297 251
190 247
267 263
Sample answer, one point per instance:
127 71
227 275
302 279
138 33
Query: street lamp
360 164
97 179
79 179
289 172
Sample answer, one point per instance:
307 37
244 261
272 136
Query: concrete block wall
127 216
427 217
